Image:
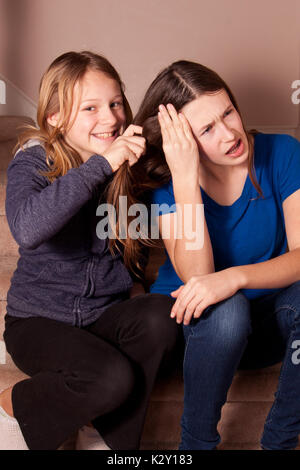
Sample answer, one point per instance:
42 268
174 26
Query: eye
206 131
116 104
90 108
229 111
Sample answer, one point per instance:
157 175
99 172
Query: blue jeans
248 334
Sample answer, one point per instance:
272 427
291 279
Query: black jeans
102 373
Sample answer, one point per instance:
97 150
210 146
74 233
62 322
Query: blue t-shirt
252 229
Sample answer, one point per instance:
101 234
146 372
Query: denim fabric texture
65 272
242 333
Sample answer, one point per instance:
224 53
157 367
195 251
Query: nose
107 116
226 133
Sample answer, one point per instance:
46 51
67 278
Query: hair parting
179 84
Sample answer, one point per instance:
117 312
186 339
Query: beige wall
254 45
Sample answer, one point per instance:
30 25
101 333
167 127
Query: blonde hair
56 94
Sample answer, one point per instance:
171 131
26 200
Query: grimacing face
218 129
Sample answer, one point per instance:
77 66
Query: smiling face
218 129
100 117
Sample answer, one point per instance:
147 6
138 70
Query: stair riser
2 200
2 313
8 246
5 278
250 386
163 422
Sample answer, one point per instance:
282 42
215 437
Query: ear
53 119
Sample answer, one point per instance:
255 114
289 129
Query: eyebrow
97 99
211 123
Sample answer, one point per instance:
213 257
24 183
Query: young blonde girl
91 347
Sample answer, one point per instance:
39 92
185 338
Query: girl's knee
155 326
112 387
226 321
154 303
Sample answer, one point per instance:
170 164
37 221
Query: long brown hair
179 84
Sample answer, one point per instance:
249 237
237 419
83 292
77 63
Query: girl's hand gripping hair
179 145
127 147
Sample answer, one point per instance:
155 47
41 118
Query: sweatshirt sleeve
37 210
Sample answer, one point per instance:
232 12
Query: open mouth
106 135
234 148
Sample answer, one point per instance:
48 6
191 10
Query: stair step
10 377
6 154
7 266
8 245
248 385
2 191
241 425
2 200
10 128
2 314
232 426
3 178
222 446
255 385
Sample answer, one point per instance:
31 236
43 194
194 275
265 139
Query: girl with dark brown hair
237 290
